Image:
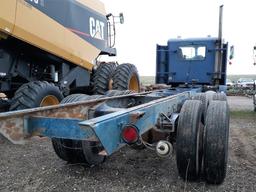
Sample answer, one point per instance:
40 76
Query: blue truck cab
192 61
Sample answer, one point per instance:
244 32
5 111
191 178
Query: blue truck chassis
161 120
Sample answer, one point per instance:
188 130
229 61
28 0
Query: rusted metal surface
108 128
12 129
70 121
134 117
156 87
12 123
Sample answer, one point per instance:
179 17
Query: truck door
200 64
190 62
7 15
178 64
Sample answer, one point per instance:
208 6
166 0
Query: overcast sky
150 22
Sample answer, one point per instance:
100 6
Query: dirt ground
238 103
35 167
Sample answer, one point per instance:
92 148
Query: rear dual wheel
205 102
216 142
208 151
206 98
188 140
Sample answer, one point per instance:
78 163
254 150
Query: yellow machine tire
126 77
102 78
36 94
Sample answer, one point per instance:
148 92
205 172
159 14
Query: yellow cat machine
49 49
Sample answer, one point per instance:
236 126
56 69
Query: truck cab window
192 52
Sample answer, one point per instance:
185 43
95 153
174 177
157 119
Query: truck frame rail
81 120
90 130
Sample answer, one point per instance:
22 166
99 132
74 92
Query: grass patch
147 80
244 114
236 77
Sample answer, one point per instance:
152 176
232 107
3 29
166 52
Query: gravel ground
35 167
237 103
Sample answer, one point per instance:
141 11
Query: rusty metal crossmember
13 124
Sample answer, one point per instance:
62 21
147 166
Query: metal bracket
167 124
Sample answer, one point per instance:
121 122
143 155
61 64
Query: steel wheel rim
133 84
49 100
110 84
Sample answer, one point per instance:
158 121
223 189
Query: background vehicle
48 49
245 83
199 61
192 61
229 84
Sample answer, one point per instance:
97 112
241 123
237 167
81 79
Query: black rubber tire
91 150
75 98
202 97
93 97
216 142
220 97
102 78
30 95
69 150
73 151
209 96
112 93
254 102
188 140
205 102
123 75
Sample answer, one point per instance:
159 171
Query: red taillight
130 134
